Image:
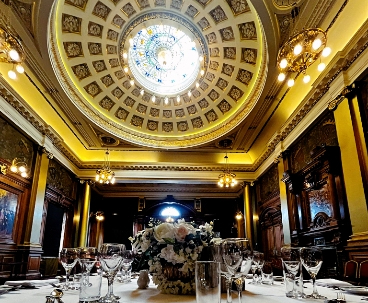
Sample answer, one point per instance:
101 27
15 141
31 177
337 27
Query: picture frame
197 205
9 205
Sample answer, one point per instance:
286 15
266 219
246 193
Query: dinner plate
20 284
356 290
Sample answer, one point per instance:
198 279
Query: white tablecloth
129 293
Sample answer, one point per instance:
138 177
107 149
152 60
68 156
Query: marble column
84 216
350 136
248 215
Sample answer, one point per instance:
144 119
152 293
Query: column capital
44 150
347 90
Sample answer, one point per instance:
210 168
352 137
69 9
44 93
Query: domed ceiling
160 73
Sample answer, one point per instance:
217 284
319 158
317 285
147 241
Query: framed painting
8 213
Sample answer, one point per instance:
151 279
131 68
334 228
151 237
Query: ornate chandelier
301 51
227 178
105 175
11 51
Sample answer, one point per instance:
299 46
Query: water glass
267 273
256 267
293 273
90 288
126 266
76 280
208 282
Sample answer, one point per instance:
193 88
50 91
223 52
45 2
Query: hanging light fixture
105 175
300 51
11 51
227 178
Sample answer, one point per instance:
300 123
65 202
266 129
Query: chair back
351 269
363 270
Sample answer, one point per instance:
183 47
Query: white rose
163 231
207 227
182 230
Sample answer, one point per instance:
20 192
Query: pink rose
182 230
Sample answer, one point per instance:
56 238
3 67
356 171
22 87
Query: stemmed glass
87 259
244 268
292 269
312 261
231 251
68 258
257 264
110 256
126 266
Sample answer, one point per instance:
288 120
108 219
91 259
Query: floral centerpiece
170 251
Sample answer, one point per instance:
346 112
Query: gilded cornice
15 101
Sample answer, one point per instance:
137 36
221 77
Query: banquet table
130 293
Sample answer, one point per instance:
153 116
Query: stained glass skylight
164 59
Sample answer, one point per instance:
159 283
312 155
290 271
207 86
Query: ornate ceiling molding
200 125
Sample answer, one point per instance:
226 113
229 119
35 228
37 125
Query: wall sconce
100 216
20 167
238 215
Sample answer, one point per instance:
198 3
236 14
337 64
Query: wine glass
292 269
87 259
231 251
312 261
126 266
110 256
244 268
257 264
68 258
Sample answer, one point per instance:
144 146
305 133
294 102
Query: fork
340 297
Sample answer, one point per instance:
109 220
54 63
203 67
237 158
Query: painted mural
8 209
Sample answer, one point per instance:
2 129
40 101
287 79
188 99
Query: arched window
170 212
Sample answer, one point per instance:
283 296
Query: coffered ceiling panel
198 67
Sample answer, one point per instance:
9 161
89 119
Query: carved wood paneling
323 133
61 179
321 202
269 183
269 210
57 197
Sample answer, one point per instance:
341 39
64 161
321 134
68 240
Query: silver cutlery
340 297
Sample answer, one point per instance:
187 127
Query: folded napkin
333 283
31 283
